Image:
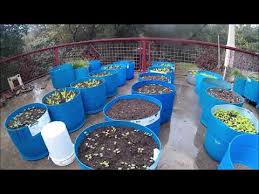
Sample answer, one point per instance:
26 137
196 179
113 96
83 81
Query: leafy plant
236 121
237 73
80 63
161 70
254 76
88 84
60 96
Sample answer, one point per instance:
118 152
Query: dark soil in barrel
225 95
241 167
155 77
27 117
119 148
132 109
154 89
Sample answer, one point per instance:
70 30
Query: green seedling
236 121
88 84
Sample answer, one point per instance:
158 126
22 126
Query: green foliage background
20 38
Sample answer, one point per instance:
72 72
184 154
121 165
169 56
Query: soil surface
27 117
88 84
225 95
132 109
154 89
119 148
155 77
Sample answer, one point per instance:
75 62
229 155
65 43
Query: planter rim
118 98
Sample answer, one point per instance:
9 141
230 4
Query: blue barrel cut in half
80 138
28 140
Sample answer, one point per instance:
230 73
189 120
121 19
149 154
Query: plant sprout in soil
236 121
118 148
26 118
155 77
154 89
102 74
113 67
60 96
225 95
161 70
88 84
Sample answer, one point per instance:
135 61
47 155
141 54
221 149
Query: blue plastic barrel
93 98
209 82
171 73
166 99
71 112
81 72
62 75
251 91
111 81
152 122
80 138
130 66
209 101
28 140
200 77
239 85
121 73
94 65
243 149
142 76
218 135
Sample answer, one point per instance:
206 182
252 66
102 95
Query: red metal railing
142 50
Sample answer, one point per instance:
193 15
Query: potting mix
236 121
161 70
28 117
154 89
119 148
155 77
132 109
225 95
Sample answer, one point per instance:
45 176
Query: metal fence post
144 57
55 56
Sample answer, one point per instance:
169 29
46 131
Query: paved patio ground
182 137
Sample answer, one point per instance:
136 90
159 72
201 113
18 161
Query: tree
11 39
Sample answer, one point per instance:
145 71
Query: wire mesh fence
141 50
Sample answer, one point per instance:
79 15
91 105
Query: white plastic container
58 143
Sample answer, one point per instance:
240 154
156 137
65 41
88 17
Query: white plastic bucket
58 143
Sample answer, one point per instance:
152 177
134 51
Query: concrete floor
182 137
